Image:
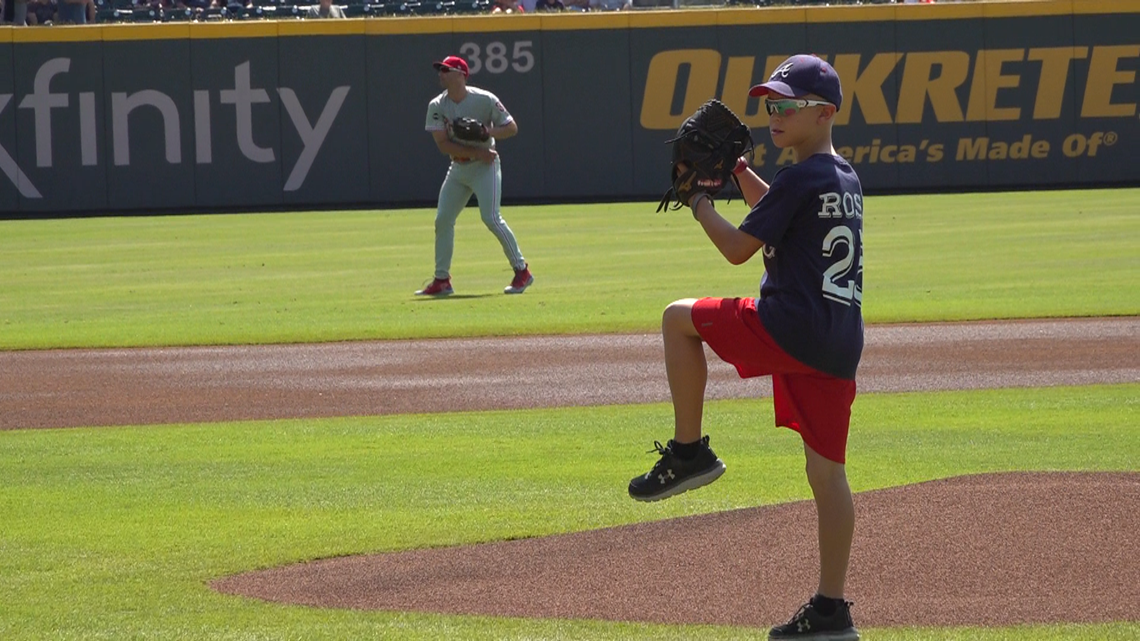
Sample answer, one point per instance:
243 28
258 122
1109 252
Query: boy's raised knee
678 316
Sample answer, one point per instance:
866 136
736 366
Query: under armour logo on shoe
662 476
803 625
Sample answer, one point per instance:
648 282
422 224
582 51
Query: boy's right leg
686 369
687 462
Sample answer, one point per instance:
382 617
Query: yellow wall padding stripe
171 31
1106 6
499 23
410 26
60 33
349 27
863 13
673 18
1021 9
775 15
579 21
956 11
250 29
451 24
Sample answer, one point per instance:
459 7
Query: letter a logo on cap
781 71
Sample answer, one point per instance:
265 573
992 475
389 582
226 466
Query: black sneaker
809 625
671 475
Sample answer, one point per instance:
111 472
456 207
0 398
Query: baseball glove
470 130
705 151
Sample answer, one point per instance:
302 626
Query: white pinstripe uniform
468 176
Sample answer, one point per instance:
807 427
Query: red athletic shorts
816 405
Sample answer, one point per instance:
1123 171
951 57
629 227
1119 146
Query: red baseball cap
453 63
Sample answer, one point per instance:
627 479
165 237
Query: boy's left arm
752 186
735 245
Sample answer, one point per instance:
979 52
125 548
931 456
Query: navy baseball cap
800 75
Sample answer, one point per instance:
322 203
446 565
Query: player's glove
705 152
470 130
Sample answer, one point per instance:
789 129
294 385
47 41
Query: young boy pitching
805 330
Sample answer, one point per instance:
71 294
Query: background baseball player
465 121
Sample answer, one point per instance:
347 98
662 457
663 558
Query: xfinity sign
243 102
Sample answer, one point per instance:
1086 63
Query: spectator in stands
550 5
15 12
599 5
326 9
41 12
195 6
507 6
75 12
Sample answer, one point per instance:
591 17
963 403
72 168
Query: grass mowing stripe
323 276
113 532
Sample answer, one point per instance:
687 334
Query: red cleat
523 279
438 287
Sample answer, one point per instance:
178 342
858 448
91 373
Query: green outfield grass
114 533
301 277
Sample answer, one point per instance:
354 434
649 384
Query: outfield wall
331 113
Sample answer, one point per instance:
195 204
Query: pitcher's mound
990 549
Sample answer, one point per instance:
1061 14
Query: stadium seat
260 12
104 11
400 8
145 15
174 14
429 8
362 10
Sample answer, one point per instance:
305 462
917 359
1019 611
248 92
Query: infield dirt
998 549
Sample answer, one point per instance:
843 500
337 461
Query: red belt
460 159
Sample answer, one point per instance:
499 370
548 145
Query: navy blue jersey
811 223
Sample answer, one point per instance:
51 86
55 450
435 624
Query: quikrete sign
928 77
928 87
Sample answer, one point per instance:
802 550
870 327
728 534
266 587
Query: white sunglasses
789 106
